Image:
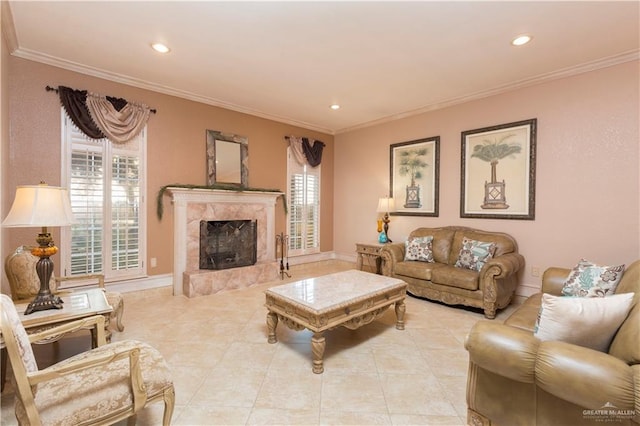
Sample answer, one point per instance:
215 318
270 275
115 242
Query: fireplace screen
227 244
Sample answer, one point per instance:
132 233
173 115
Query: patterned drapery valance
304 152
99 116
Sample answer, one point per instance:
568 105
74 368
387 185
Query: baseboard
526 290
139 284
310 258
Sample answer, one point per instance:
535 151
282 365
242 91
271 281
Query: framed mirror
227 159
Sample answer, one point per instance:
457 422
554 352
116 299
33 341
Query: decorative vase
379 225
382 238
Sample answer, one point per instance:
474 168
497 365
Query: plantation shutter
304 208
105 182
87 192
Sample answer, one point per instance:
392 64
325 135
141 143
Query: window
106 186
304 207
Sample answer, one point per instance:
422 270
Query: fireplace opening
226 244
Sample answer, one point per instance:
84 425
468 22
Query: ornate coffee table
348 299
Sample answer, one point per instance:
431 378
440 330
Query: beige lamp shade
386 205
40 206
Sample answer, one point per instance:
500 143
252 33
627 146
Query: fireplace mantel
194 204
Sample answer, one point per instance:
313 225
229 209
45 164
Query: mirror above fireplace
227 159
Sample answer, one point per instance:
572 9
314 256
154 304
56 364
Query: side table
372 252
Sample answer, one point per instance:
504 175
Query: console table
372 252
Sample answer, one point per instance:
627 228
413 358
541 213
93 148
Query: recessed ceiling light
159 47
335 107
520 40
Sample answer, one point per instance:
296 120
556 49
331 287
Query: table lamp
386 205
41 206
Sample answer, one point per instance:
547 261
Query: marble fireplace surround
191 205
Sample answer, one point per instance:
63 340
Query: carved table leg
272 322
378 265
317 347
400 309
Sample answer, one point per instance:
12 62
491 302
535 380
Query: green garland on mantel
160 206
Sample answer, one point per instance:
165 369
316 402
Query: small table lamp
386 205
41 205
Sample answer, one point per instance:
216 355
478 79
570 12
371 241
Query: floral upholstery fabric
474 254
419 248
21 271
587 279
10 314
116 300
99 390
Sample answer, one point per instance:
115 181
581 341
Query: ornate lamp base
386 221
45 299
44 302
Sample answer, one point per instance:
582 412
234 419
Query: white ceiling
288 61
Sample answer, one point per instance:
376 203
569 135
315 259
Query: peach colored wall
176 148
587 179
4 132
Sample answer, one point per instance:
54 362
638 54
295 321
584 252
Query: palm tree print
492 151
411 163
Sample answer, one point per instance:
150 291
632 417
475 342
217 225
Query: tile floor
225 372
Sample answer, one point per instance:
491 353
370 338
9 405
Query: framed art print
498 171
414 177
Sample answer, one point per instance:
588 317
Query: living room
586 161
587 178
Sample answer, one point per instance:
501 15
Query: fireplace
226 244
194 205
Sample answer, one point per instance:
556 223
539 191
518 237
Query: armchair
102 386
20 268
517 379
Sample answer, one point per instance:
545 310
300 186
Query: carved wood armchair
20 268
102 386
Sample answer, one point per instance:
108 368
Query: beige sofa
490 289
516 379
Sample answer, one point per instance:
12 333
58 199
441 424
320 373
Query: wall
4 129
176 148
587 179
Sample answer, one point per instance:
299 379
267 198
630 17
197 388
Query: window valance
99 116
305 152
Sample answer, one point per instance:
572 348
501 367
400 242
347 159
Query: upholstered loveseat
438 278
515 378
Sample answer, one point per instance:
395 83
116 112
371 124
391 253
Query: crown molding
28 54
632 55
142 84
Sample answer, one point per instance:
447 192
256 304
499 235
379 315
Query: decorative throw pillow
474 254
419 248
590 280
591 322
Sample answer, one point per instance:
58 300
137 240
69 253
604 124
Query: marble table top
328 291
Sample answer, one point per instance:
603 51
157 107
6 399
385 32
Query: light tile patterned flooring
225 372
